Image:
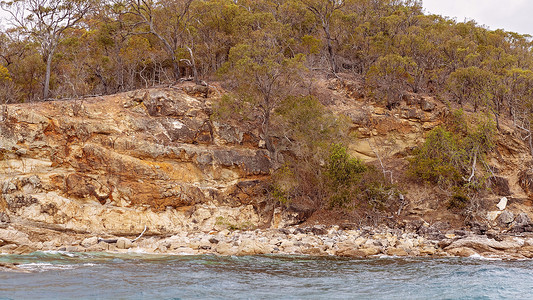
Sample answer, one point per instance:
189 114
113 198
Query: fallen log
114 241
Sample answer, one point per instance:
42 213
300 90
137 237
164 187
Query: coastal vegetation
451 157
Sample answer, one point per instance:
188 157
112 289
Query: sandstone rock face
118 163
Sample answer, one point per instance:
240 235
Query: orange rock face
117 163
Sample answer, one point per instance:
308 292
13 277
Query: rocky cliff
156 158
118 163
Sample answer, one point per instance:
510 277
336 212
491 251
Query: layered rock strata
115 164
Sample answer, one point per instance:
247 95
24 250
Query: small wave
480 257
89 265
138 251
45 267
55 252
183 254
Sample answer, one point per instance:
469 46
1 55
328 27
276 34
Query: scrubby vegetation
103 47
454 158
352 183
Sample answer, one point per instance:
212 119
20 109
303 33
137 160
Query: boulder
11 236
461 252
97 247
433 232
252 247
289 216
396 252
505 218
502 204
478 228
4 218
72 249
314 251
483 244
24 249
522 223
11 267
428 251
225 248
410 99
526 251
123 243
349 250
414 225
426 105
522 220
88 242
492 215
351 253
370 251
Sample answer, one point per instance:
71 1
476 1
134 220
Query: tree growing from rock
263 78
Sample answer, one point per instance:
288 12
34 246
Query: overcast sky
511 15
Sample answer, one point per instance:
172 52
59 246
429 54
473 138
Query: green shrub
454 157
317 167
377 192
343 170
307 130
352 183
343 174
459 199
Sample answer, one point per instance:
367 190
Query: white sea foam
89 265
45 267
477 256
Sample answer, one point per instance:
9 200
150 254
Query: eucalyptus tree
167 20
263 78
45 22
472 84
324 11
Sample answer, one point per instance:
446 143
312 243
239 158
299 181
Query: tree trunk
530 143
266 132
46 88
331 54
194 70
496 116
176 69
170 51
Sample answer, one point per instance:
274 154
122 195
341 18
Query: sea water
62 275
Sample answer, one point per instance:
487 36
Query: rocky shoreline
313 241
